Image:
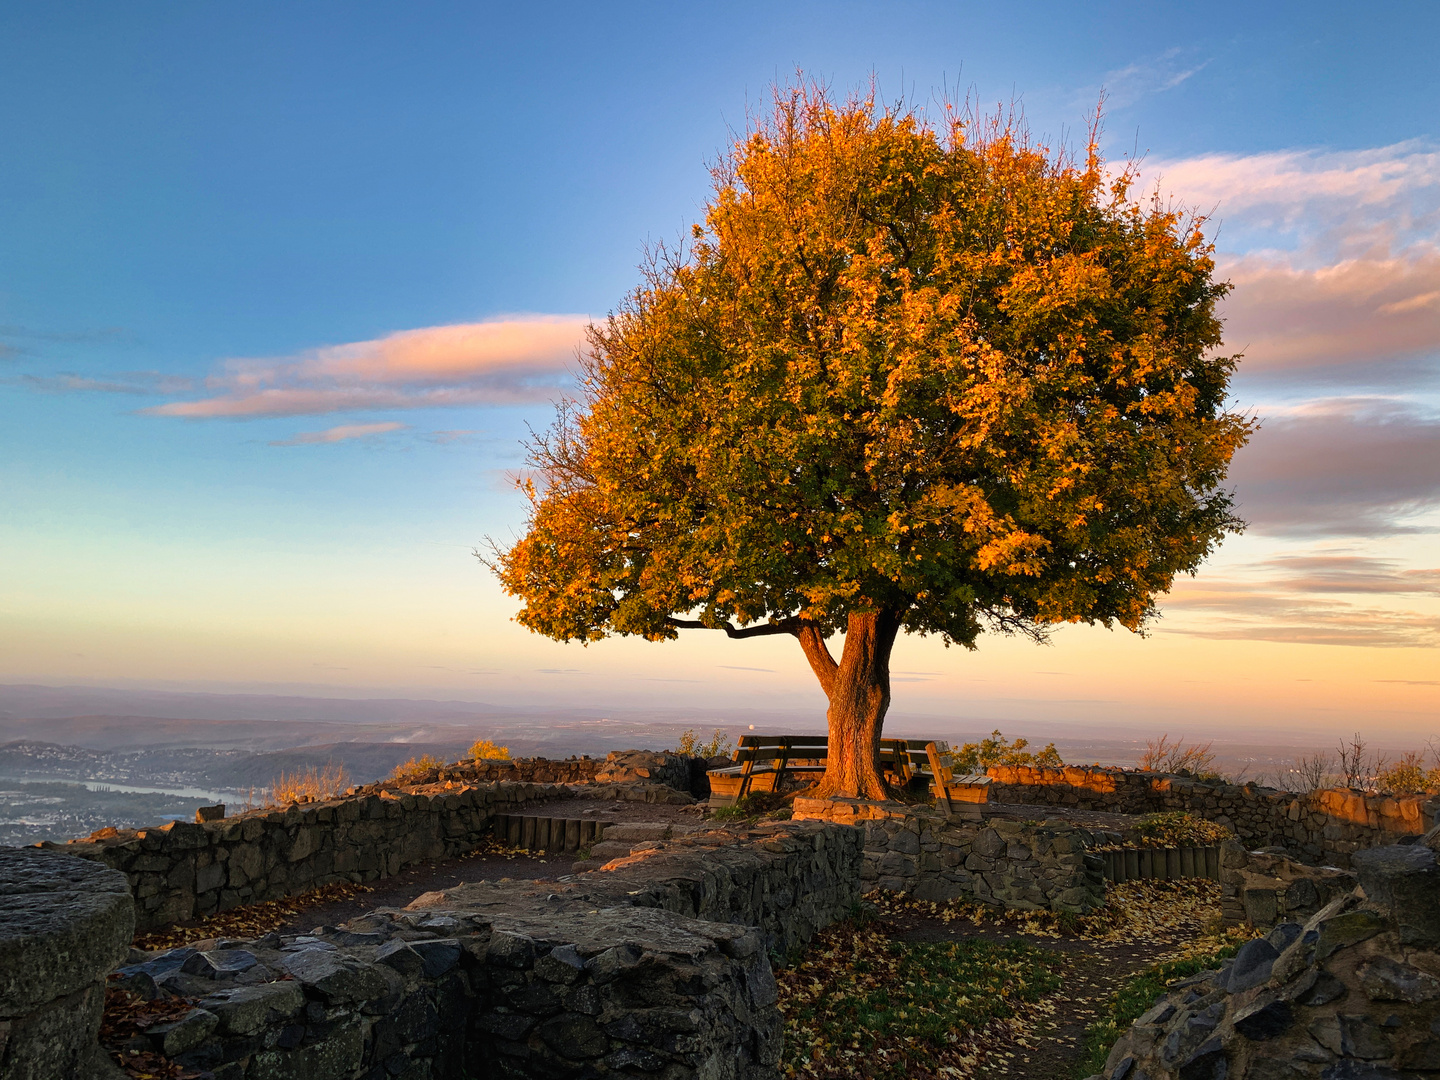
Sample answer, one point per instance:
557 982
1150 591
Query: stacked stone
182 871
1262 888
604 973
64 924
1014 864
1322 826
1353 992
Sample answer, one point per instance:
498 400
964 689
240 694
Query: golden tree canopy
929 370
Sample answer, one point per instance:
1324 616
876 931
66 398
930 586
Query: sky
284 286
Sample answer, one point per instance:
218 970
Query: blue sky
219 465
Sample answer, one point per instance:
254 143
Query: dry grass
414 770
309 785
1162 755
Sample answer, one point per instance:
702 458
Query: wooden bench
762 762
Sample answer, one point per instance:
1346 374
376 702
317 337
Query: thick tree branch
784 626
812 640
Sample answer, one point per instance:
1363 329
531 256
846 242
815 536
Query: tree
904 377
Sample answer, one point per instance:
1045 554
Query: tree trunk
859 691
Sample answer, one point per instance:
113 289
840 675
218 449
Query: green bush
995 750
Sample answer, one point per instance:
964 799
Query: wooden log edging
1139 863
557 835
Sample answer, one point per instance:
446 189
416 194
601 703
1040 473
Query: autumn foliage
908 375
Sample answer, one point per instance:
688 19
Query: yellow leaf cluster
940 372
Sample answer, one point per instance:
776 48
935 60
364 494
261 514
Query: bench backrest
898 755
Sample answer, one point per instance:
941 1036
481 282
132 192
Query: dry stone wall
1325 826
182 871
914 850
657 966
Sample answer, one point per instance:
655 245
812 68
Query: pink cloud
1335 256
1352 311
340 433
510 361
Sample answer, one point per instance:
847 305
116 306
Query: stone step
606 850
536 833
632 832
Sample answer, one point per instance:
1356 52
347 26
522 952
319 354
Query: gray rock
510 950
1252 966
574 1036
190 1030
438 956
562 964
1403 881
1383 979
612 963
246 1009
339 978
219 963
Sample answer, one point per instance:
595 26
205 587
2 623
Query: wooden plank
1147 864
1172 863
940 783
1132 864
1187 862
572 834
542 833
514 830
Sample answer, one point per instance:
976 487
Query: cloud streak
341 433
512 361
1344 466
1294 600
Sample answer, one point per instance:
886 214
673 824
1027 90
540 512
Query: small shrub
1178 828
414 770
1162 755
691 746
995 750
755 805
306 785
484 748
1408 776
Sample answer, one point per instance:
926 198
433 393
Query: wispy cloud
121 382
1342 466
1152 75
340 434
510 361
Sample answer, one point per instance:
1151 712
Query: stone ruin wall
659 965
1013 864
1325 826
182 871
